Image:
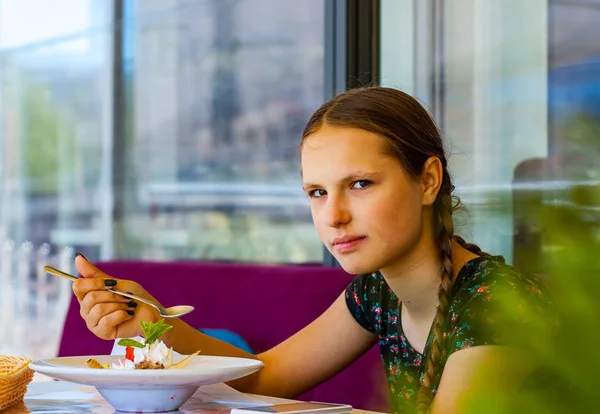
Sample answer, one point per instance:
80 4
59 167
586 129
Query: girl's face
367 209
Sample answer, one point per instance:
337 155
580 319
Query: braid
472 247
443 207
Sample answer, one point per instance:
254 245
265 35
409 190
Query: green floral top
491 304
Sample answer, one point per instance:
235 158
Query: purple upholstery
264 304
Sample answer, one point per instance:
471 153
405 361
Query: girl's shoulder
492 272
494 303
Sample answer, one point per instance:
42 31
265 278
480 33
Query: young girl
449 319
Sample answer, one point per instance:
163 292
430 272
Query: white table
60 397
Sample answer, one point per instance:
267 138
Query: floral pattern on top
491 304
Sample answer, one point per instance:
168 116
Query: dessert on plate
152 353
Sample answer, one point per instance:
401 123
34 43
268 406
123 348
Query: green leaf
130 342
153 331
146 326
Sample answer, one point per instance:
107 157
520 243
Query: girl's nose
336 212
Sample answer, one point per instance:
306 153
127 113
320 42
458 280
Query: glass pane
515 87
55 133
217 95
200 162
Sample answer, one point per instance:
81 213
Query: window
170 134
173 138
515 88
218 94
55 138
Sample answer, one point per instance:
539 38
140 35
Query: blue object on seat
232 338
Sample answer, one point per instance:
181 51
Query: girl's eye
316 193
361 184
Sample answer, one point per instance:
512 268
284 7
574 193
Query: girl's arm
481 378
319 351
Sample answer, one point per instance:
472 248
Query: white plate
147 390
202 370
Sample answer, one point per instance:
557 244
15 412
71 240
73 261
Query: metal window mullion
351 52
363 34
119 146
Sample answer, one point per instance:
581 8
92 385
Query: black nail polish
132 304
79 254
130 312
110 283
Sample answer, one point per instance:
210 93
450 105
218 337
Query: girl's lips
347 244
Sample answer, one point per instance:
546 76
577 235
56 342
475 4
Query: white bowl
147 390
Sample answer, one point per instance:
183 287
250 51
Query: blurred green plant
49 140
573 232
569 225
582 132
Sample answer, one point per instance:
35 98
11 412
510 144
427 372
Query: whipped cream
157 353
123 363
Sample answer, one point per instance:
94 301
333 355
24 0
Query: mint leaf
130 342
153 331
146 326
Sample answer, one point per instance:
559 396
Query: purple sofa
263 304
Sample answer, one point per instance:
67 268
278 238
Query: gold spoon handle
139 299
60 273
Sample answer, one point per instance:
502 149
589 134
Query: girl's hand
106 314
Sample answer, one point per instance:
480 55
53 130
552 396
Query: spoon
172 312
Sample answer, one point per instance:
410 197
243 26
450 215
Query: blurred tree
49 142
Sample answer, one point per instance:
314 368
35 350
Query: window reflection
515 87
188 150
55 128
198 161
220 93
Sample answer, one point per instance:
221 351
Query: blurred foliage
569 224
47 131
583 133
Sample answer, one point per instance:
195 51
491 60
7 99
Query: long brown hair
411 136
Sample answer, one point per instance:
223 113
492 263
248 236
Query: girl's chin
355 268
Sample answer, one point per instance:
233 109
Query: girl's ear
431 180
